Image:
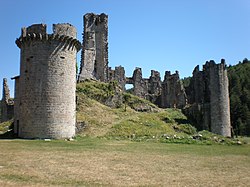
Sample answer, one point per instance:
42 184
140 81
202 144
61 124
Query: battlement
64 29
95 18
36 28
63 32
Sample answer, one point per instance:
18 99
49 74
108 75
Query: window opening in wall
129 88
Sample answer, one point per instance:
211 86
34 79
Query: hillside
126 121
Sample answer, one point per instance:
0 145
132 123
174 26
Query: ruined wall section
118 75
7 104
167 94
173 92
94 60
154 87
47 82
140 84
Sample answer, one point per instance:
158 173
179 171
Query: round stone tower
47 82
219 98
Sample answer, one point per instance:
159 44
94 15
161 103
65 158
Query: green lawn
101 162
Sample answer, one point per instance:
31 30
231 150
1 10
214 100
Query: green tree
239 91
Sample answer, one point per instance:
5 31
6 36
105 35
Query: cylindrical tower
219 99
47 81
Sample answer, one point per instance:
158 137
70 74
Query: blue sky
151 34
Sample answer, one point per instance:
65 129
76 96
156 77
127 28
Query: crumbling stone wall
94 60
140 84
154 87
7 104
209 98
173 92
167 94
46 86
118 74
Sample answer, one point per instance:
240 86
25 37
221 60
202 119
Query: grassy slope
103 121
168 125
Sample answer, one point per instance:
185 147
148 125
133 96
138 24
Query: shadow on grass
9 134
182 121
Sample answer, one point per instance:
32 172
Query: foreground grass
100 162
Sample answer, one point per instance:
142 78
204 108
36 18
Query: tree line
239 92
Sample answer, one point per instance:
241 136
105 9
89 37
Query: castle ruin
45 89
206 99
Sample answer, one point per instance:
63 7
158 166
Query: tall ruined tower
219 98
46 90
94 60
209 98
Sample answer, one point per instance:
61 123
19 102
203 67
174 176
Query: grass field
100 162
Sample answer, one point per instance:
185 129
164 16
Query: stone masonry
173 92
167 94
118 74
47 83
94 61
209 99
7 104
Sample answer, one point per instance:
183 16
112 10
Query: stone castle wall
118 74
46 88
173 92
167 94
